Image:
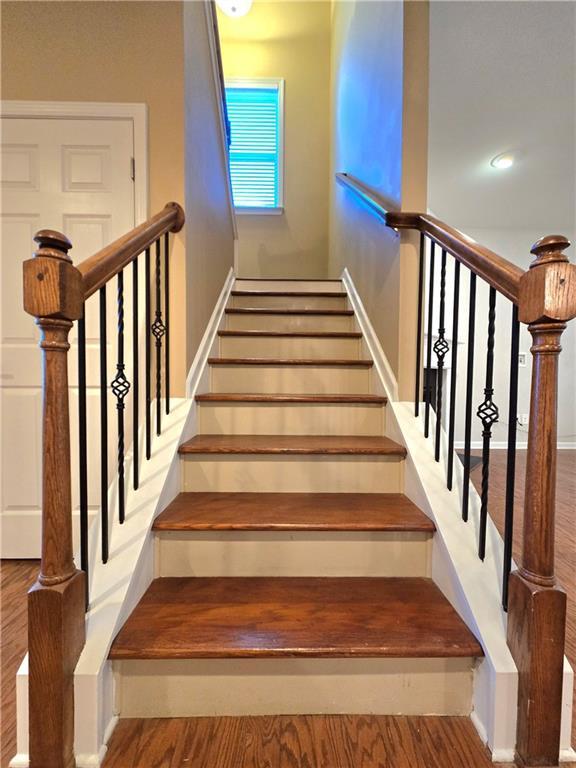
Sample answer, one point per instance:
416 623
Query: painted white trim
96 110
267 82
381 364
210 339
501 445
212 26
22 533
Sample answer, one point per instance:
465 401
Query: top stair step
288 293
274 311
296 284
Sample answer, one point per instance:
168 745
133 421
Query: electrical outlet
523 419
522 359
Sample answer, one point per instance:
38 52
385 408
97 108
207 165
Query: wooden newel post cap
547 291
549 250
52 245
52 285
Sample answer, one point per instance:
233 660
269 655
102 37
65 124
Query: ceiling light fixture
234 8
502 162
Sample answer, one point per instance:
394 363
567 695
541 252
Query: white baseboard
383 367
20 533
500 445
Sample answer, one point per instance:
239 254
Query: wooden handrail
497 271
98 269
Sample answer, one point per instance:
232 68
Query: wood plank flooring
298 742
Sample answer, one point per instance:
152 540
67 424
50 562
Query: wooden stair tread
294 444
233 397
210 511
288 361
313 294
295 334
275 311
184 618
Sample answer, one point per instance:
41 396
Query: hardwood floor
298 742
303 742
16 576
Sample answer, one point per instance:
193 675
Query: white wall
494 87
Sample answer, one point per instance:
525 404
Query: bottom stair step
187 618
272 646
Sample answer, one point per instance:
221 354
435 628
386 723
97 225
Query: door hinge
132 168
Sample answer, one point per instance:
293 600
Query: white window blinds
254 115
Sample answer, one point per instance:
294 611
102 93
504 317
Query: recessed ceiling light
502 162
235 8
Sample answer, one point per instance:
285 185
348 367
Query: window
255 112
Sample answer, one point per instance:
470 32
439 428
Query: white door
73 175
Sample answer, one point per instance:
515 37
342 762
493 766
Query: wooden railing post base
536 630
56 636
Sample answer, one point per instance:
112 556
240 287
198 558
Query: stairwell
292 573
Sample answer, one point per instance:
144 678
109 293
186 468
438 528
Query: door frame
27 528
97 110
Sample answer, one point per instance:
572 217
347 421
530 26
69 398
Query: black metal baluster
148 354
120 388
511 457
83 450
429 343
441 347
158 330
103 424
419 327
453 373
469 396
135 375
167 320
488 415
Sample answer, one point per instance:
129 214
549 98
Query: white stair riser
290 419
302 348
299 553
237 687
291 379
297 474
299 322
290 302
289 285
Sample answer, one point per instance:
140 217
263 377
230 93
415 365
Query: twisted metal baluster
158 329
488 414
441 347
120 387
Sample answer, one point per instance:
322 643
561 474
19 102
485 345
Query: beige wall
290 40
134 52
379 118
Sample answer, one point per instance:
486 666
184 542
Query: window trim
266 82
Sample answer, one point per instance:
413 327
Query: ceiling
503 79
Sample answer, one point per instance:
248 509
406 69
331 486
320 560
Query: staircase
292 574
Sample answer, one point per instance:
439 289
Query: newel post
537 605
56 631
